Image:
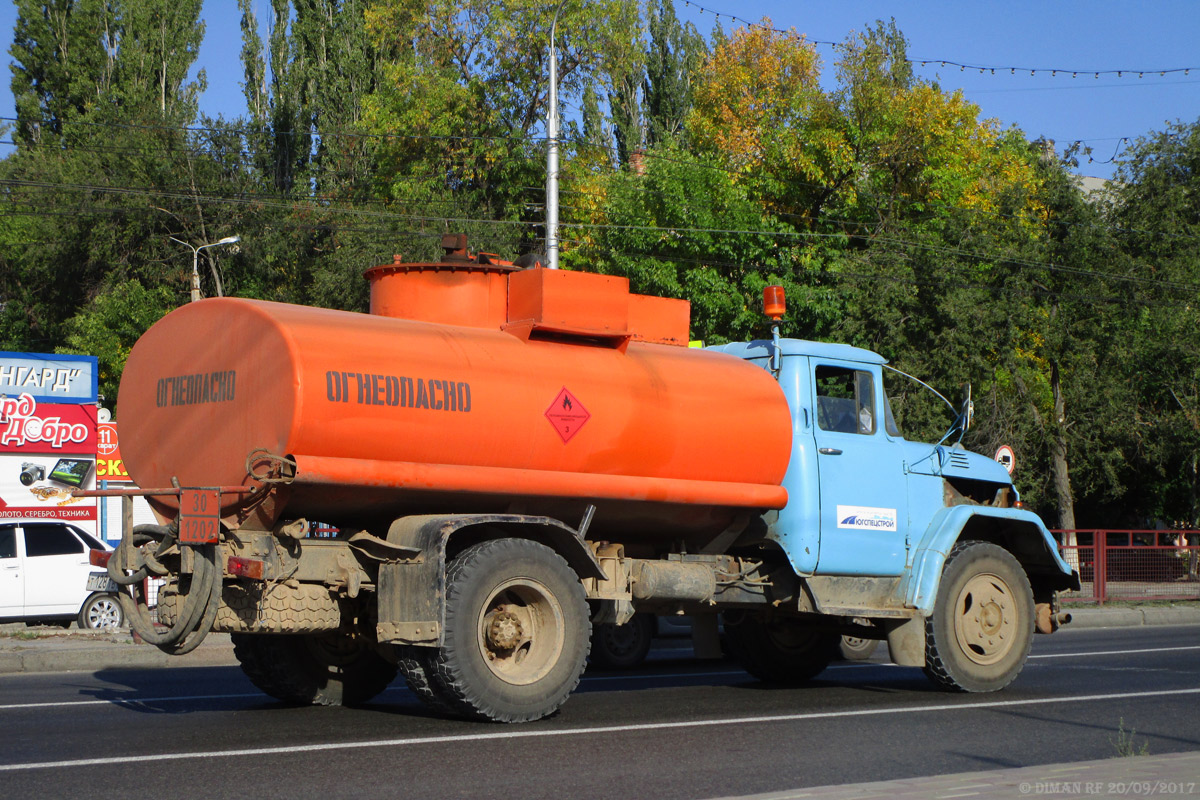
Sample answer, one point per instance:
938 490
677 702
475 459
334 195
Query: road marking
1117 652
525 733
132 701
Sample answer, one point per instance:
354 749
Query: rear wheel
328 669
516 635
981 629
780 650
622 646
101 611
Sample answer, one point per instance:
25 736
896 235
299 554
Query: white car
46 577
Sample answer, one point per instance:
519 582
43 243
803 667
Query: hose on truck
199 611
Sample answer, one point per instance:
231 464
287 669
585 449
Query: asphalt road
677 729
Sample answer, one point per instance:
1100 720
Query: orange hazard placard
200 516
567 415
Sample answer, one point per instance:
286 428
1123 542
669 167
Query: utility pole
552 152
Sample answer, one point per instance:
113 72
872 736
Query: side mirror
967 413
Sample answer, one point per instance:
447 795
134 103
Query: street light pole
196 263
552 151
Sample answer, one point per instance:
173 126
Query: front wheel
516 636
981 629
101 612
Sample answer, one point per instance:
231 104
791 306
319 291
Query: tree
674 55
64 54
1156 203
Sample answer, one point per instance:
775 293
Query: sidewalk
60 650
1174 775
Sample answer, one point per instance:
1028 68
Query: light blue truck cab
924 544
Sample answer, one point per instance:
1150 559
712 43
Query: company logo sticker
567 415
863 518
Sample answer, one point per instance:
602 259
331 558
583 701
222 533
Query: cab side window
50 540
845 400
8 542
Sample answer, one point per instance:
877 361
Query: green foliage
110 325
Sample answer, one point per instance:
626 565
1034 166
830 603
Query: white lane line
526 733
1117 652
133 701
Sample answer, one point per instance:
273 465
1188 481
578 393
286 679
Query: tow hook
1049 619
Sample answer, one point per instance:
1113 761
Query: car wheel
101 611
852 648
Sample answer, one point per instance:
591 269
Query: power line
1054 72
676 230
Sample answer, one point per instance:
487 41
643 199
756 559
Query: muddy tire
415 665
257 608
622 646
517 633
981 629
313 669
782 651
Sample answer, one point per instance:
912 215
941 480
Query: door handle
829 451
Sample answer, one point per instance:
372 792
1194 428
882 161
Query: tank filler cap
455 245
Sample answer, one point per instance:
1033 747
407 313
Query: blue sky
1083 36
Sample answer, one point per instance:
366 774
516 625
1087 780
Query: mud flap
906 641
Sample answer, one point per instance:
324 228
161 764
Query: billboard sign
27 426
49 378
46 450
109 466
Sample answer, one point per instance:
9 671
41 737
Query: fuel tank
560 393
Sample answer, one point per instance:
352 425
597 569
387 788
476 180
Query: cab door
860 464
12 577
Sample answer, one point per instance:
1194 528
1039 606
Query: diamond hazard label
567 415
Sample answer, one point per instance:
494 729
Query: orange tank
571 391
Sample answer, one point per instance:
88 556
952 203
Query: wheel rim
521 631
104 613
985 621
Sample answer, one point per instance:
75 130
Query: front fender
1019 531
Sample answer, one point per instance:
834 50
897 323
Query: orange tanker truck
499 455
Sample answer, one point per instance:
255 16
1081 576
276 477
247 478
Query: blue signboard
49 378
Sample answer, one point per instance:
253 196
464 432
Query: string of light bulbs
983 69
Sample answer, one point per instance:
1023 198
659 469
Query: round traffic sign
1007 458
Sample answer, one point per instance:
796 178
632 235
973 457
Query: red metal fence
1132 564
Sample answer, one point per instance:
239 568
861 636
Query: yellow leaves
757 86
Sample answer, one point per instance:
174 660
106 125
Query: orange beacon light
774 302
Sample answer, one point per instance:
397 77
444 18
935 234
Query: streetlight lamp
196 264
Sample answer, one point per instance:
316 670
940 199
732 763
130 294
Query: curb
1132 617
67 653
